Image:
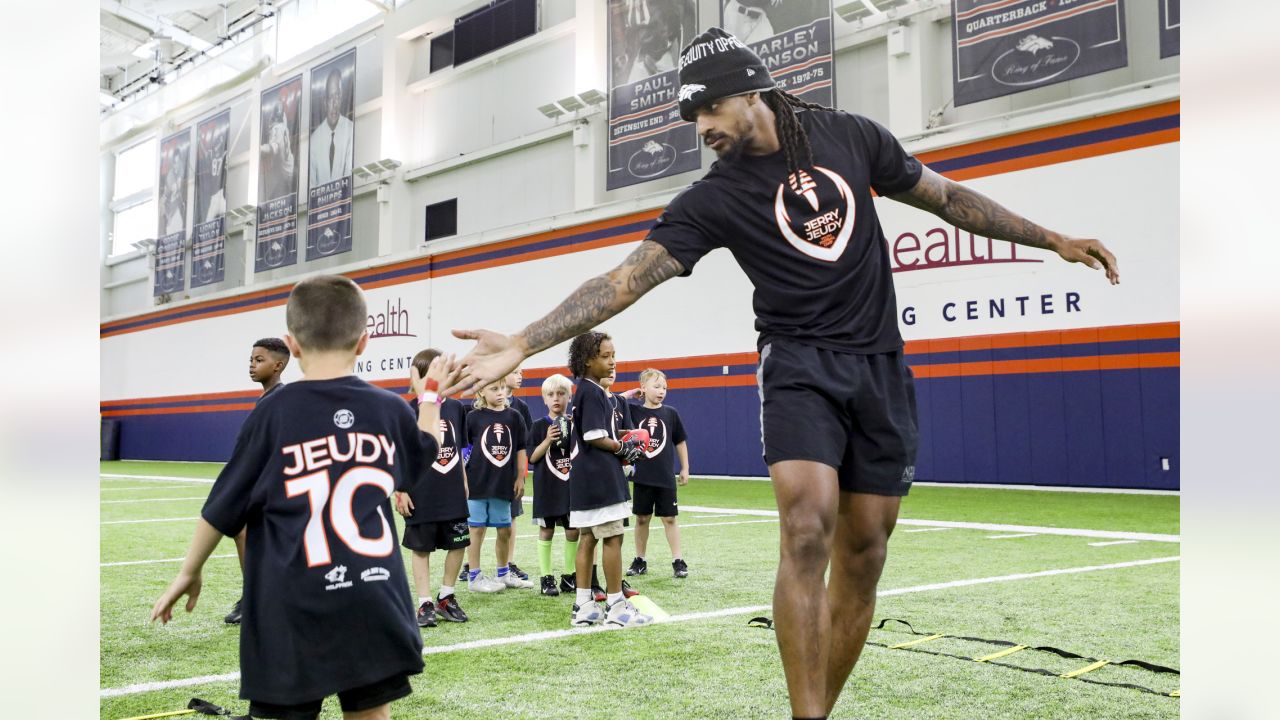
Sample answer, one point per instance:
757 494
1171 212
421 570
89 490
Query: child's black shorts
517 508
361 698
856 413
654 500
432 536
553 521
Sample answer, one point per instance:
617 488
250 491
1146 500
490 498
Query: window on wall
135 169
304 24
137 222
442 219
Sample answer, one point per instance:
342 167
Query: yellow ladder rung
1087 669
1002 653
1176 693
909 643
163 714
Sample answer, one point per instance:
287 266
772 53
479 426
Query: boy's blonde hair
557 382
481 404
651 373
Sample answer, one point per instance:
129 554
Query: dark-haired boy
327 607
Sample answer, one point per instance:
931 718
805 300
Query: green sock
544 557
570 557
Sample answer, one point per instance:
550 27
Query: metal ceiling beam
156 25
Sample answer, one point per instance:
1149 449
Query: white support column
249 233
590 63
395 202
906 70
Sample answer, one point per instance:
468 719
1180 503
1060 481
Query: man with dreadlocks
790 197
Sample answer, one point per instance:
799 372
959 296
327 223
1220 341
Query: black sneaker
449 609
638 567
680 568
516 569
568 583
427 614
233 617
628 591
466 568
598 594
549 586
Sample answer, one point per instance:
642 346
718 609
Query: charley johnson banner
647 138
793 38
1003 48
277 230
209 235
331 150
171 237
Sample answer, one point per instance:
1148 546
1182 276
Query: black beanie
717 65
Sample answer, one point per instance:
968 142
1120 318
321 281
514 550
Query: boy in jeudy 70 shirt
327 608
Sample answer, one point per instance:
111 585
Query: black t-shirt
496 437
441 494
326 600
596 480
551 473
666 431
264 395
621 412
815 251
522 407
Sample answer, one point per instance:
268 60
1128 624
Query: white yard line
149 520
154 562
142 500
982 486
146 487
1008 537
164 478
932 529
704 517
1112 542
687 617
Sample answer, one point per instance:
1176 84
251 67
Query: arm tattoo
973 211
603 296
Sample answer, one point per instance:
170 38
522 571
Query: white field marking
1007 537
153 562
165 478
729 511
704 517
980 486
150 520
1112 542
142 500
687 617
147 487
931 529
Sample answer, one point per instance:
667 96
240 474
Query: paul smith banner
1003 47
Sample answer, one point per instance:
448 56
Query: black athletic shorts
517 508
553 521
361 698
856 413
653 500
432 536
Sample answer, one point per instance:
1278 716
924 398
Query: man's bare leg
807 494
857 557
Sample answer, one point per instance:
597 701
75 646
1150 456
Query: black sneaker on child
462 576
628 591
516 569
233 617
549 586
427 614
638 567
680 568
568 583
449 609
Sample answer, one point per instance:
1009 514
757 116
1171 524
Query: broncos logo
688 91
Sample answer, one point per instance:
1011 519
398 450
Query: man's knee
806 538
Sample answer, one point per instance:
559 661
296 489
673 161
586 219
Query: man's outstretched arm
970 210
595 301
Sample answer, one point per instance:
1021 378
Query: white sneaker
586 615
484 584
624 614
513 580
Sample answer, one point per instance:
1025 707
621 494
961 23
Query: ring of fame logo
1035 60
815 213
273 253
328 241
344 418
651 160
497 449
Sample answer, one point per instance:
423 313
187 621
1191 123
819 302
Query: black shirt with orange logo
658 465
441 494
811 245
551 473
495 436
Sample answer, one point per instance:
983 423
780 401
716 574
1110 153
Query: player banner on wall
1003 48
1170 28
793 38
647 138
208 236
171 237
277 238
332 149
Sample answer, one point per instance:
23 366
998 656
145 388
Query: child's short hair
423 359
481 404
651 373
274 345
557 382
582 349
326 312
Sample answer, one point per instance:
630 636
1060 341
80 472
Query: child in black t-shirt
495 476
655 478
327 608
552 457
597 489
435 512
515 379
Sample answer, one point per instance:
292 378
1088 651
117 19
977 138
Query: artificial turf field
705 662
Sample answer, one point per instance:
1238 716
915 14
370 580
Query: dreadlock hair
582 349
794 140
